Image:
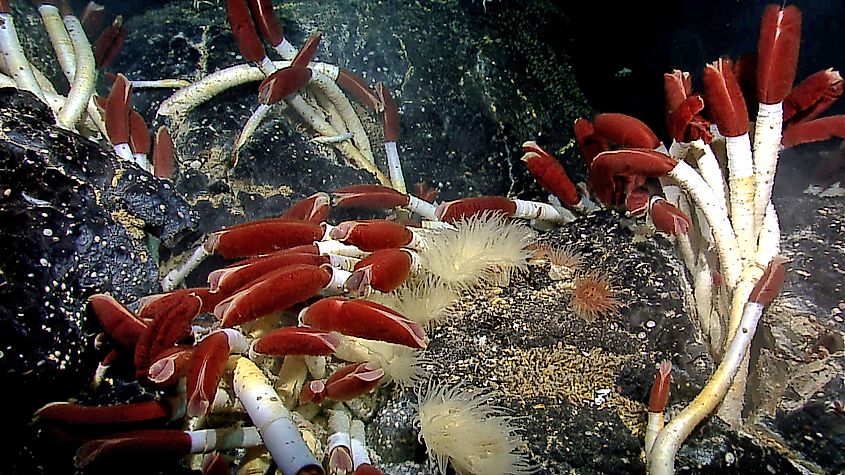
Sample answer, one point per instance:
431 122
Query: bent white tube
14 57
662 455
85 77
176 276
274 422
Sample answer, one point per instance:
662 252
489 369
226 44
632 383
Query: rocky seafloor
471 88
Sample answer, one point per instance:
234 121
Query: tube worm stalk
360 456
85 77
767 139
255 119
177 275
725 239
658 399
662 455
275 423
160 84
59 38
14 57
339 443
324 78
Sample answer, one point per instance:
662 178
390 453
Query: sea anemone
564 260
458 426
592 296
425 302
401 364
483 248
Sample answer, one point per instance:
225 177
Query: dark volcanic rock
73 222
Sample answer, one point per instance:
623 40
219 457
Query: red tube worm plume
313 209
391 113
170 366
240 275
120 324
369 197
549 173
204 372
625 131
353 84
117 110
814 130
313 391
659 395
637 201
590 143
168 327
243 30
139 134
647 163
814 95
163 153
277 291
592 296
266 21
372 235
367 469
384 270
76 415
261 237
683 108
4 6
282 84
302 341
769 286
777 52
353 380
93 18
667 218
148 446
215 464
363 319
307 52
452 211
109 43
724 99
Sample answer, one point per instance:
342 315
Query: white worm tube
741 179
767 136
85 78
274 422
14 58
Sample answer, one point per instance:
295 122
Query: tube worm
390 122
658 398
85 76
13 55
275 423
625 131
550 174
270 27
777 61
163 153
814 95
360 457
283 83
667 443
62 45
261 237
238 276
79 415
383 270
363 319
109 43
355 85
382 197
170 325
667 218
339 441
152 446
301 341
139 140
120 323
353 381
208 362
313 209
460 209
372 235
243 29
814 130
727 107
170 365
274 292
117 116
306 53
93 19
